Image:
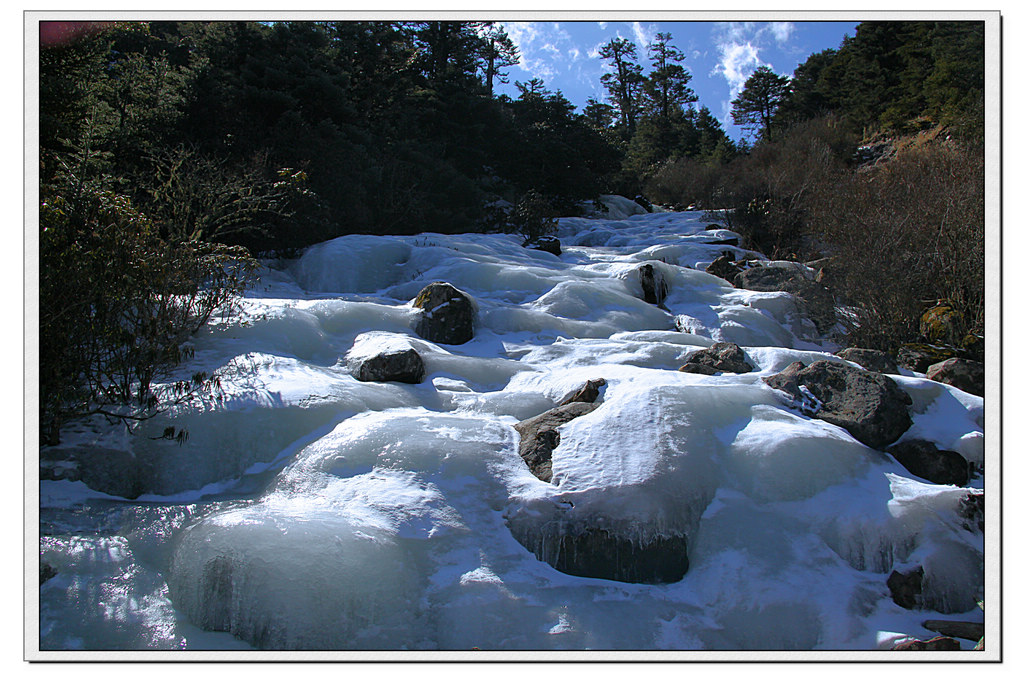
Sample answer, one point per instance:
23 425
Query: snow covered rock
538 436
820 306
870 406
967 375
379 358
548 244
720 357
922 458
871 360
587 393
447 315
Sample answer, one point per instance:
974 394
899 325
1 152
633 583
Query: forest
173 155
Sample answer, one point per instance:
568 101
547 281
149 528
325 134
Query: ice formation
309 510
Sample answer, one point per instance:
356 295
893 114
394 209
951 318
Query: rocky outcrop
538 436
922 458
867 404
653 284
403 365
447 315
871 360
720 357
817 302
961 373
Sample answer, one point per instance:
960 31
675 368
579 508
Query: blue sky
720 56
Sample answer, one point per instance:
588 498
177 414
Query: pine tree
624 82
756 106
498 52
666 87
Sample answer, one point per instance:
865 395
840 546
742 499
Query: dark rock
46 571
548 244
538 436
447 315
723 267
967 375
653 284
906 587
972 510
696 368
960 629
587 393
817 302
713 226
732 241
920 356
871 360
933 644
924 459
867 404
598 553
405 366
721 357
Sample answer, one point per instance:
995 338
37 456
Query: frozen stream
309 510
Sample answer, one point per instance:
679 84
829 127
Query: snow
311 511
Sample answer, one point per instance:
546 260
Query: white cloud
603 24
541 47
781 30
643 35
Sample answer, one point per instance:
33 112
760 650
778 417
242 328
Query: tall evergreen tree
498 52
757 104
624 82
666 86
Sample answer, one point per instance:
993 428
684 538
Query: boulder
404 366
653 284
817 302
538 436
871 360
967 375
723 267
720 357
548 244
933 644
697 368
447 315
598 553
905 588
922 458
867 404
942 324
107 470
918 357
587 393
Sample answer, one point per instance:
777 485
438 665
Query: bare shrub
905 235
